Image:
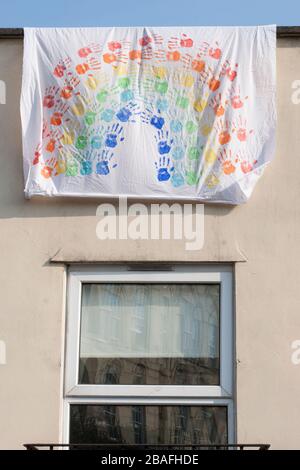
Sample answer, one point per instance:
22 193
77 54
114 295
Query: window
149 356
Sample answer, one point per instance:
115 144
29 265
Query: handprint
128 112
164 169
72 168
107 115
48 168
163 142
215 51
114 46
176 126
61 67
235 98
227 160
192 175
240 127
37 154
161 86
114 133
55 138
90 49
50 97
218 105
177 153
231 73
223 130
86 168
91 64
103 165
177 178
149 116
59 111
247 162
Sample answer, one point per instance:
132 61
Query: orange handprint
218 105
223 130
173 56
227 160
57 116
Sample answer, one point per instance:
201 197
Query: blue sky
18 13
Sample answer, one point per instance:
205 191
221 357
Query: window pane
140 424
156 334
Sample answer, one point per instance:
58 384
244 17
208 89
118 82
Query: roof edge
282 32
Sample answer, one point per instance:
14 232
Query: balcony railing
119 447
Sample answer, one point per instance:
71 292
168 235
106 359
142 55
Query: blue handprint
102 167
107 115
177 178
126 95
127 112
96 142
86 167
163 142
149 116
162 104
113 134
164 169
177 153
176 126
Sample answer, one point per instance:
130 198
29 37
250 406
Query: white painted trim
62 355
180 274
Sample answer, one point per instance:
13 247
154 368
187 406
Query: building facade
143 340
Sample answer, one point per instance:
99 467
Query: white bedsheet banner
177 113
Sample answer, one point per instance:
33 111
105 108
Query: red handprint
114 46
91 48
235 98
231 73
185 41
247 162
145 40
50 96
37 154
240 127
61 67
215 52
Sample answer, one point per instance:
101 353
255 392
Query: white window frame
222 394
231 437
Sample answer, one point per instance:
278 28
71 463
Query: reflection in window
111 374
127 424
111 422
181 424
139 424
172 330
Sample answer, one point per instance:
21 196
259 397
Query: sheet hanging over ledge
177 113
